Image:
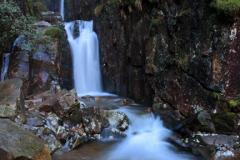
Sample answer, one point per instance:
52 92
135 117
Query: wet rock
47 135
66 104
53 123
98 98
88 97
218 139
62 134
12 100
48 104
16 142
117 118
38 96
35 122
33 103
126 102
199 122
224 152
112 133
93 120
76 140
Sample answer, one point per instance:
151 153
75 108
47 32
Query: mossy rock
226 7
54 32
225 122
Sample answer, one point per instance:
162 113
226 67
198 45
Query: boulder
93 120
16 142
12 100
218 139
117 118
48 104
53 123
112 133
62 134
31 104
47 135
76 140
67 103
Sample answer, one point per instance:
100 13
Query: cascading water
86 64
5 62
62 9
146 140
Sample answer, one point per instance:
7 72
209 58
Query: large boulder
117 118
12 100
67 103
16 142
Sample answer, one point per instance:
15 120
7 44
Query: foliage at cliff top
13 23
54 32
226 7
34 8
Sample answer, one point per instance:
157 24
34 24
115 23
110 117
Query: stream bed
146 138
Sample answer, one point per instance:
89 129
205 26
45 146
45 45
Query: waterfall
85 53
5 62
62 9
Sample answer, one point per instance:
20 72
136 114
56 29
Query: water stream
146 140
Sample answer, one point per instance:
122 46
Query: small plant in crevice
215 95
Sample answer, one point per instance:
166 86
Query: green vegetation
234 102
13 24
226 7
98 10
216 95
53 32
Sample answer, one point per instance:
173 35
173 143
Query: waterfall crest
85 53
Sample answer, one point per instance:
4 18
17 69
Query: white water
62 9
148 143
85 52
5 62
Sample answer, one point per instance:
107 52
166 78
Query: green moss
153 28
227 7
54 32
221 121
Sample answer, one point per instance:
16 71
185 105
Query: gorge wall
178 54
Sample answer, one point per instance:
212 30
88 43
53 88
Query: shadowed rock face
16 142
173 54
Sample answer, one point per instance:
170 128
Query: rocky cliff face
177 54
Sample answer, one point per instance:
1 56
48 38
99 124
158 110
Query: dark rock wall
176 54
